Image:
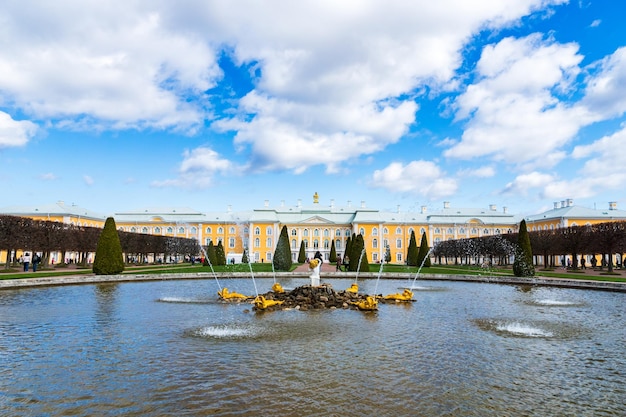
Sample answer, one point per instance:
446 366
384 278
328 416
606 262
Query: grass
187 268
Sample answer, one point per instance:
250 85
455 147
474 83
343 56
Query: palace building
318 225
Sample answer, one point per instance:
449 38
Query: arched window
348 233
486 232
144 230
209 230
385 231
257 242
231 230
450 231
375 231
208 241
474 231
362 231
257 230
497 231
338 232
268 242
294 243
437 230
398 231
375 243
410 231
294 232
194 230
326 232
375 257
462 230
306 243
422 231
231 242
327 244
169 230
338 244
133 229
316 244
220 230
316 232
305 232
181 230
157 230
268 230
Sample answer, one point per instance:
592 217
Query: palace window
316 232
375 231
398 257
398 231
375 257
316 244
375 243
450 231
157 230
257 242
437 230
144 230
399 243
268 242
327 244
231 230
294 232
362 232
220 230
305 232
385 231
338 244
338 232
268 230
231 242
486 231
181 230
194 230
208 230
257 230
169 230
326 233
293 244
133 229
348 233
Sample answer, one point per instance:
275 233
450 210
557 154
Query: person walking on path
26 259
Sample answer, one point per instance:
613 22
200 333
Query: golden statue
278 288
262 304
316 198
354 288
369 304
227 295
407 295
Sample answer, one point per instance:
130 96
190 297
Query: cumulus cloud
605 94
417 177
198 169
522 184
513 112
482 172
13 132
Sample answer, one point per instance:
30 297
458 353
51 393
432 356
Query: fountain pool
170 348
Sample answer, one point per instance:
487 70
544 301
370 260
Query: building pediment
315 220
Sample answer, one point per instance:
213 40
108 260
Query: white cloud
595 23
522 184
88 180
49 176
417 177
13 132
115 66
512 112
198 169
482 172
606 89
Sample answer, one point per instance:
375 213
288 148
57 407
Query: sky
130 105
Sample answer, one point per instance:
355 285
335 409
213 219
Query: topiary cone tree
109 259
422 255
302 254
412 252
282 254
523 263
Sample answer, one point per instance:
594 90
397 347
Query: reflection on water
171 349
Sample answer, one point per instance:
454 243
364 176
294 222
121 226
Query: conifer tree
302 253
282 254
210 255
244 257
412 252
348 251
523 263
359 255
422 255
220 255
109 259
333 252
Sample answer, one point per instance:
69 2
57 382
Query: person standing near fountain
315 266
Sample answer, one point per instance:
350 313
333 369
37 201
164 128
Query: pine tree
422 255
302 254
348 251
282 254
333 252
109 259
412 252
523 263
220 255
244 257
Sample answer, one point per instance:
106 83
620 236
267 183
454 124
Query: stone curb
102 279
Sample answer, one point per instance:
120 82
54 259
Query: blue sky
118 106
